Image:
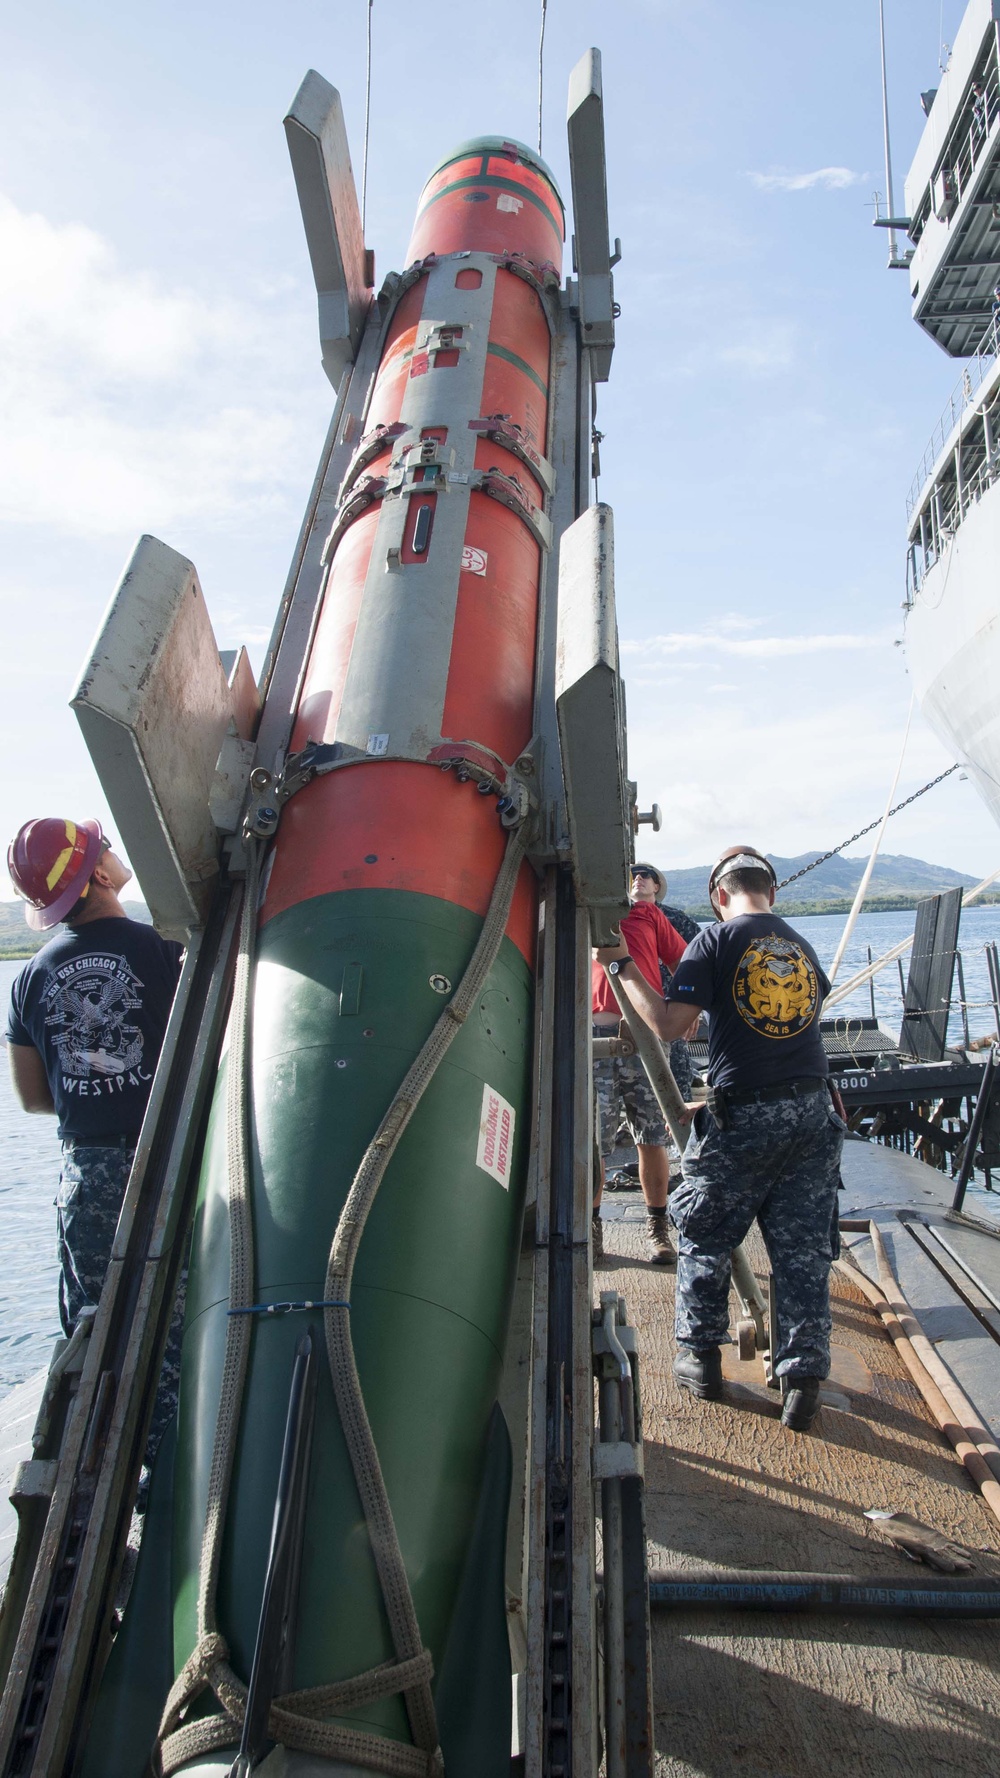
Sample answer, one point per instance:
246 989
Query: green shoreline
879 904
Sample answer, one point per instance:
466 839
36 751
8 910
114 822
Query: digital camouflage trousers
777 1162
91 1192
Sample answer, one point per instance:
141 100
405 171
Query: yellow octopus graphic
776 987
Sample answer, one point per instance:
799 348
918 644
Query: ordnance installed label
496 1136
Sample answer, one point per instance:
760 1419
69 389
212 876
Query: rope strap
403 1626
293 1718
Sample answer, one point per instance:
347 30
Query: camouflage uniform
682 1067
623 1094
778 1161
91 1192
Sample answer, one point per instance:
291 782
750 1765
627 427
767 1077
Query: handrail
962 396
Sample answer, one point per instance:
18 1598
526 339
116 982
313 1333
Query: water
29 1150
29 1175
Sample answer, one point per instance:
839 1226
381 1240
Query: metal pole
962 1000
653 1056
993 968
975 1130
871 985
885 132
838 1594
610 1392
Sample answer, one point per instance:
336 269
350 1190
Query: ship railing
950 501
963 395
970 135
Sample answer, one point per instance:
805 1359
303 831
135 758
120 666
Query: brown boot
658 1244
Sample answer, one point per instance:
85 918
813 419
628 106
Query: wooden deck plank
728 1486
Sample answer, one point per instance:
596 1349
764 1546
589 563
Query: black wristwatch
617 964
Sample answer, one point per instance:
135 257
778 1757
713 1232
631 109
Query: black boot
801 1402
700 1372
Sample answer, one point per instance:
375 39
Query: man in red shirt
621 1088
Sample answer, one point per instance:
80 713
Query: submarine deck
727 1487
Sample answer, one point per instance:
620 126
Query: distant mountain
895 878
16 935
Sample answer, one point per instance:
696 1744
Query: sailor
766 1145
85 1027
621 1089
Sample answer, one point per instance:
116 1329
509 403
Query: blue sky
769 401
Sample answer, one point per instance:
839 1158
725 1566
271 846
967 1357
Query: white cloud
826 178
762 347
127 405
751 647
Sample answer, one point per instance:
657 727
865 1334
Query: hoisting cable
806 868
368 113
541 65
295 1719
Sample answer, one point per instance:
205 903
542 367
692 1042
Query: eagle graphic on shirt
776 988
88 1003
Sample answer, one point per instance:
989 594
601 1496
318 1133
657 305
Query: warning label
496 1136
474 560
506 201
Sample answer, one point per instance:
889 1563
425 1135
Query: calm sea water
29 1151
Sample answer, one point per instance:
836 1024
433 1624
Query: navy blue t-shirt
94 1002
762 986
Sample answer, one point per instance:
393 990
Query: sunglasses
642 872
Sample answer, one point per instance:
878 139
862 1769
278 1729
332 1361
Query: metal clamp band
503 431
289 1308
508 490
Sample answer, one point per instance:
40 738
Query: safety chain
806 868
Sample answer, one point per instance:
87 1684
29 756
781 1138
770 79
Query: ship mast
896 262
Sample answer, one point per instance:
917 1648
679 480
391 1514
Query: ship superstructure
952 202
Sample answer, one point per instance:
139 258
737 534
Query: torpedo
369 1544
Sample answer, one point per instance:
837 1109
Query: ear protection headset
738 858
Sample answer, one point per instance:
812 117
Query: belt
800 1088
117 1141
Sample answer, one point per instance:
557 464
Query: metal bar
567 1663
52 1686
871 985
271 1655
961 999
750 1296
653 1055
993 969
289 645
968 1287
616 1373
825 1595
975 1129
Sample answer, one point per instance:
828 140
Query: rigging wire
924 788
541 66
368 114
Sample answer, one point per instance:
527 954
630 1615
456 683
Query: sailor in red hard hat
51 863
767 1144
85 1027
622 1092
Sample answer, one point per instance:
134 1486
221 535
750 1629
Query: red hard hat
50 864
